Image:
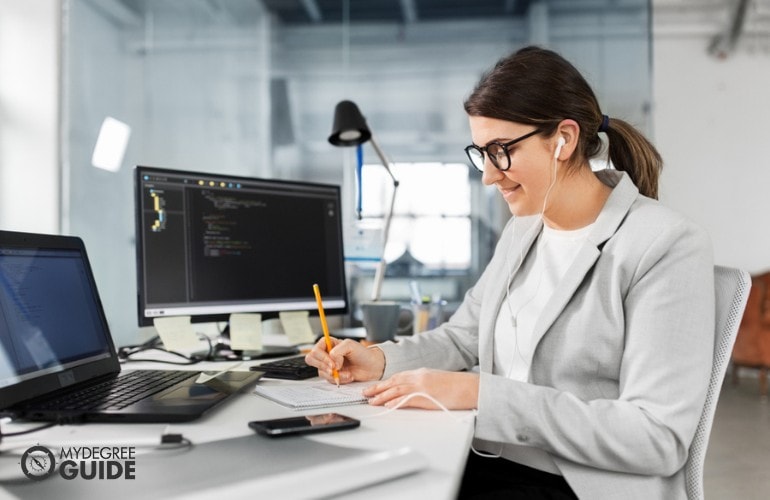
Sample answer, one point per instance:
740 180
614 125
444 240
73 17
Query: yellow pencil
325 328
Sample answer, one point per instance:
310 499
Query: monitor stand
223 352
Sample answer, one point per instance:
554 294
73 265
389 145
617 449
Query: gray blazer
621 367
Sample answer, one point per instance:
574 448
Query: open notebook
314 395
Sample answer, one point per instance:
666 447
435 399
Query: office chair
732 291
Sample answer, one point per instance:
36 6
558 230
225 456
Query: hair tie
605 123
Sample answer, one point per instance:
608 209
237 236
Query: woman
592 326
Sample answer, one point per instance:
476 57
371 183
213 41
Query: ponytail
632 153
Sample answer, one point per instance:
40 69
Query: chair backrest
732 290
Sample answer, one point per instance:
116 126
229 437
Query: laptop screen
50 317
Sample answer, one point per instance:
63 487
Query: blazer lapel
529 228
610 218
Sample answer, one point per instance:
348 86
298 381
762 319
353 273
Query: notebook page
316 395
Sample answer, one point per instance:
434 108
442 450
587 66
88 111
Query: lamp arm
379 274
383 159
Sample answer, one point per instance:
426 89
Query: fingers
375 389
409 380
352 360
344 349
319 358
390 392
338 358
388 397
398 397
403 390
316 354
343 359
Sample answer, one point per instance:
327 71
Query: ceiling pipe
723 44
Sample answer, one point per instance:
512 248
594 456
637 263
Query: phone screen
305 424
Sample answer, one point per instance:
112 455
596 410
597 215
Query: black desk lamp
350 129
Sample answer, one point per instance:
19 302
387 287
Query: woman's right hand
353 361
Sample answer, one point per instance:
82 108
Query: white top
530 290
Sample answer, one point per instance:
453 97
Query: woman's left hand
455 390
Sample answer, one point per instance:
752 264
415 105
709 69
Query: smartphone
303 425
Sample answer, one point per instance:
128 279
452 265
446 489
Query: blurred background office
248 87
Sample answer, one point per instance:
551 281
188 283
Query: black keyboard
293 368
118 393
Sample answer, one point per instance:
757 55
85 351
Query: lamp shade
350 127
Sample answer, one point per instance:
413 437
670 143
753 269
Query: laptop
56 351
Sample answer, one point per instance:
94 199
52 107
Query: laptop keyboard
293 368
118 393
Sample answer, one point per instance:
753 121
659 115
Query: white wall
711 126
29 112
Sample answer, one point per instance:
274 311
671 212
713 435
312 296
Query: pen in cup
325 328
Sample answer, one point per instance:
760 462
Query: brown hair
538 87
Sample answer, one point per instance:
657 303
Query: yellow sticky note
176 333
297 327
246 332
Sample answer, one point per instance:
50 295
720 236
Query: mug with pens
428 311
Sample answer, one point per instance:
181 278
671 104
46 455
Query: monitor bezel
141 170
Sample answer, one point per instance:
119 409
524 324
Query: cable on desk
28 431
187 359
414 395
125 353
442 407
168 441
175 439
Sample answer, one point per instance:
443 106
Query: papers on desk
315 395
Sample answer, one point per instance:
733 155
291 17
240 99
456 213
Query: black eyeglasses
497 152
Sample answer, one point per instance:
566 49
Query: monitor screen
209 245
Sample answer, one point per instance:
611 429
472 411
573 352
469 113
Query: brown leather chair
752 346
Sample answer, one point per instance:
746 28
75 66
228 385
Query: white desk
442 438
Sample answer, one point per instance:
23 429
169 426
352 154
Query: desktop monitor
209 245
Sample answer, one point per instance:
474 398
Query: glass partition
247 87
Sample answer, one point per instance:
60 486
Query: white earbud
559 145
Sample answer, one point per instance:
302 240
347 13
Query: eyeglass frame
504 146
